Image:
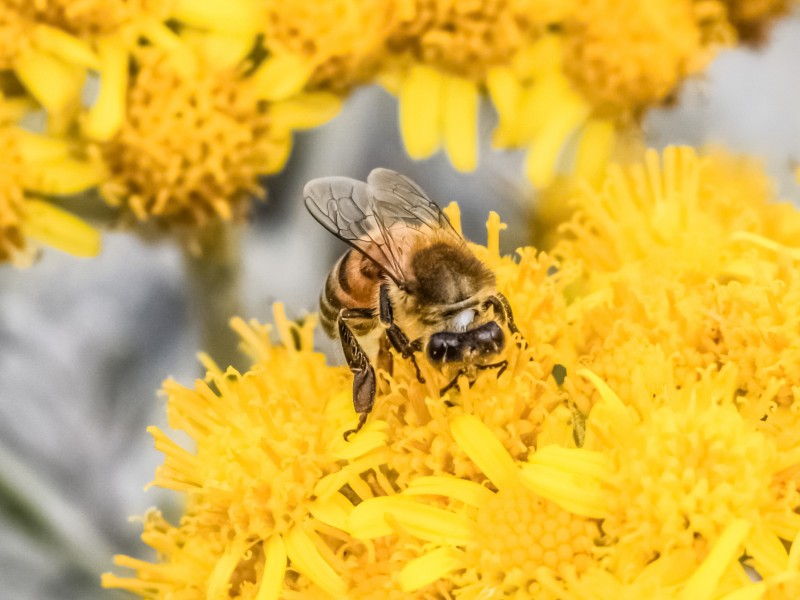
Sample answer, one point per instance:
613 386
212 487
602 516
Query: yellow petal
784 524
794 554
540 58
584 498
485 450
220 50
612 402
540 164
220 577
274 158
463 490
163 37
703 582
230 16
55 84
429 567
272 578
749 592
305 111
574 461
505 92
381 516
61 176
768 551
335 511
460 105
594 149
13 109
34 147
281 77
68 48
60 229
305 557
107 114
421 102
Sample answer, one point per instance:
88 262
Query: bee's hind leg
357 360
397 338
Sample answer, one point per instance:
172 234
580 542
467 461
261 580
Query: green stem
212 260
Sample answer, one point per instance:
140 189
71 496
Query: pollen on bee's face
464 319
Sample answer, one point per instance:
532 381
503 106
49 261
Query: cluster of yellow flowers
642 445
174 108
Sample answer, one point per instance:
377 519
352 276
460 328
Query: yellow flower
689 253
503 536
626 55
263 483
195 140
51 45
445 51
35 165
643 443
686 464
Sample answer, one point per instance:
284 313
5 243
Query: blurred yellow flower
630 449
334 44
444 51
193 144
51 45
33 166
570 81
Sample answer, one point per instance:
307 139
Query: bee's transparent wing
377 217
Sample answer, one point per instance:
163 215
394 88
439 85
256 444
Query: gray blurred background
85 344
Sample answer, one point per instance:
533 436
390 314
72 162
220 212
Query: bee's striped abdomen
350 284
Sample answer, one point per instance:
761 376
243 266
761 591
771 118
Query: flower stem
212 258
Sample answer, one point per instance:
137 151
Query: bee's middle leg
397 338
357 360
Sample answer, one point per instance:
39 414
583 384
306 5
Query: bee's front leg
357 360
501 306
395 335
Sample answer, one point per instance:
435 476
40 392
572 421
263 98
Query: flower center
519 532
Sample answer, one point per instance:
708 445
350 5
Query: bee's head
473 345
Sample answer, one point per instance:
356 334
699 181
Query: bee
409 282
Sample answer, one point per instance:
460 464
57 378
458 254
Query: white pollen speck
463 319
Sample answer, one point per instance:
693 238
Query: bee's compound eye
490 338
446 346
437 348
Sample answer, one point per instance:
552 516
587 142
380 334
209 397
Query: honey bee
409 282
